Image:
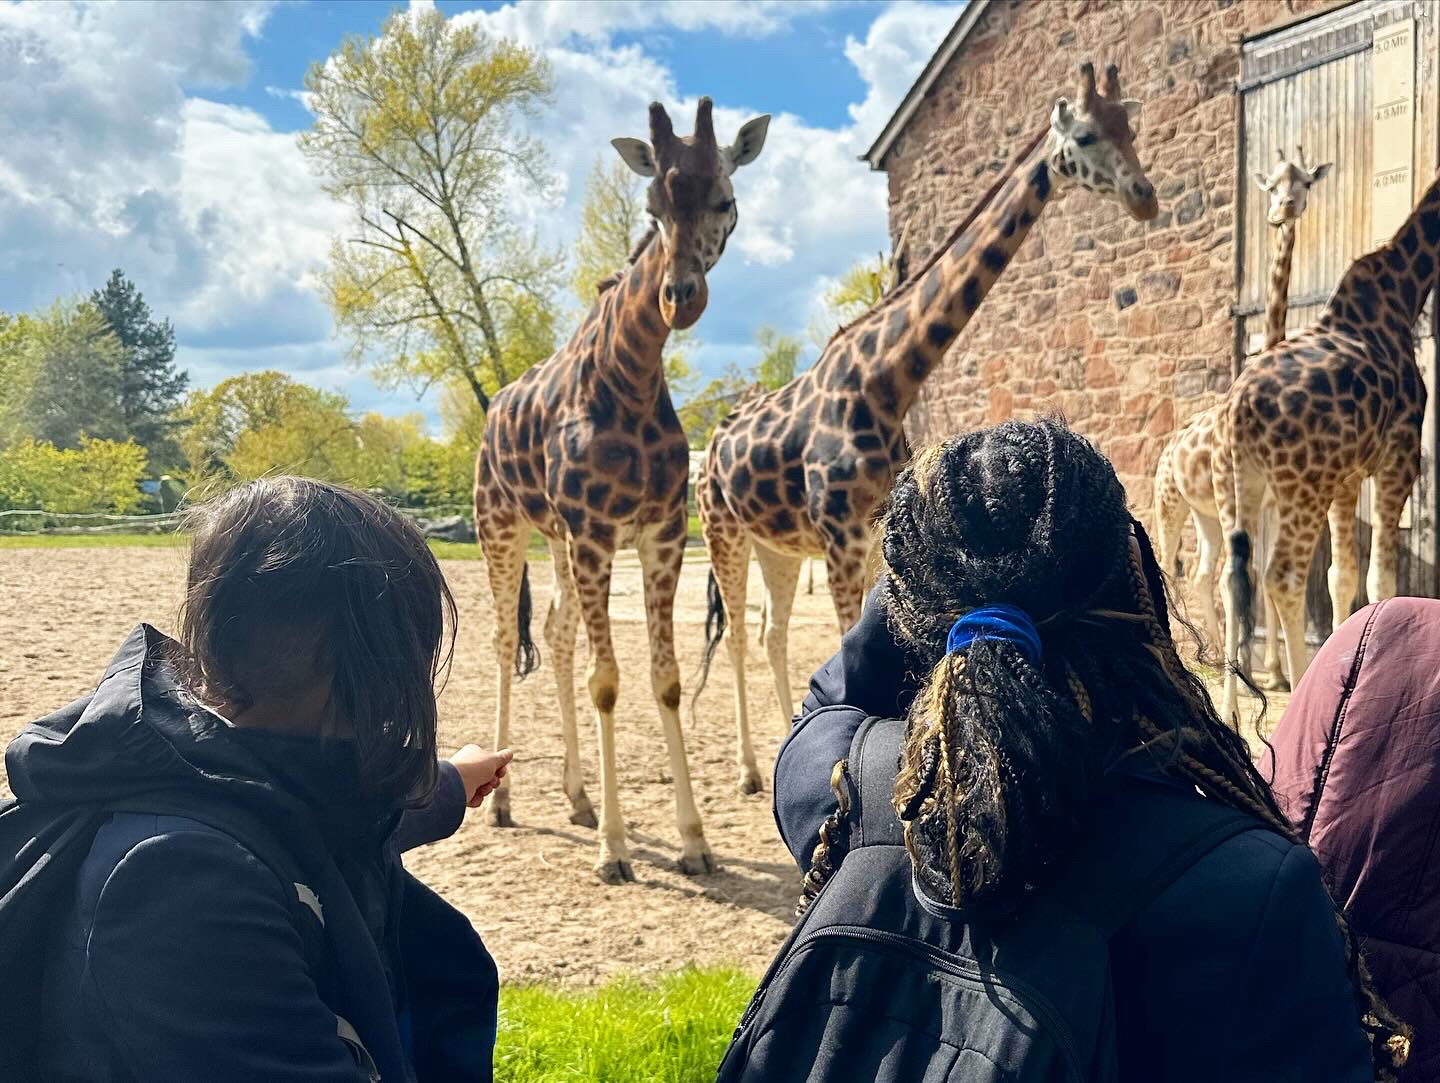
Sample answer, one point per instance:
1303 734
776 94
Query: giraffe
801 470
1313 416
1182 474
586 448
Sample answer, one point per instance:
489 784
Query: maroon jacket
1357 768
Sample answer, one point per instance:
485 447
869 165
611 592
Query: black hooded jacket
241 912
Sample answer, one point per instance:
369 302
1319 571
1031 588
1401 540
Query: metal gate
1314 84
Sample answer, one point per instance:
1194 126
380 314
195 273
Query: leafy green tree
858 291
709 406
151 386
95 476
293 418
418 130
779 358
62 372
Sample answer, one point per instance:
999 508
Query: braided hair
1003 757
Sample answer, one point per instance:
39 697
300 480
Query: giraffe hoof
615 872
584 815
499 817
1272 682
750 780
697 864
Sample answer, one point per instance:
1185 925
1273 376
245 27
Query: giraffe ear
636 154
1263 181
1132 110
749 141
1319 171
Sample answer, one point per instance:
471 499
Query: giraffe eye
1086 140
724 208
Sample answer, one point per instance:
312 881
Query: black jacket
190 952
1235 972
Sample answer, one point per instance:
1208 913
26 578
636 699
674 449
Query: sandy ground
529 890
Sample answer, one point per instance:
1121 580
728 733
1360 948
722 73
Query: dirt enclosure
529 890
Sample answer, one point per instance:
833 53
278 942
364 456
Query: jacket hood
1356 766
139 738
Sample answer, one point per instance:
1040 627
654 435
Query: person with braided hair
1007 772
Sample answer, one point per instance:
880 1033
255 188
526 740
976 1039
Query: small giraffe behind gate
1182 473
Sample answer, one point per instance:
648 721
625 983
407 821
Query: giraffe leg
1344 575
845 570
592 564
662 554
1273 677
1202 578
1391 489
1285 577
809 576
503 545
730 559
561 624
782 577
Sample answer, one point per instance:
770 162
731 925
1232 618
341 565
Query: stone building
1129 328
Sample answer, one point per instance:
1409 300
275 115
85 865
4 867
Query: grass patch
92 541
670 1029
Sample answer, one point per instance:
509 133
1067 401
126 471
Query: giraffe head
690 199
1289 186
1093 144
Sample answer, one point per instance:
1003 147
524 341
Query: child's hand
480 771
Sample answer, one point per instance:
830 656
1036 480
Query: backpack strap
874 760
1142 839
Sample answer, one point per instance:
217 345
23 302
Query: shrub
97 476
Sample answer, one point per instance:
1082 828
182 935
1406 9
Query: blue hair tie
1004 622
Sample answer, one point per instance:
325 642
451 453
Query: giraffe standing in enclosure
586 449
801 469
1182 474
1342 401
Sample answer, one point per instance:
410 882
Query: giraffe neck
1399 276
627 331
1417 244
1278 302
923 316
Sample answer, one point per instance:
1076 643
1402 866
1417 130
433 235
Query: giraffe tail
527 655
1242 593
714 632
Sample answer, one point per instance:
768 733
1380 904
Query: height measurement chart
1393 132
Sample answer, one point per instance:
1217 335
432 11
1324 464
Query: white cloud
560 21
892 55
107 162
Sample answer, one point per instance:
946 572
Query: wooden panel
1313 85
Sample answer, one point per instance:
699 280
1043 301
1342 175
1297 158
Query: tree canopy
62 370
151 386
418 131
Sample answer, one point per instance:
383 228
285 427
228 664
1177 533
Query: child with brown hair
222 820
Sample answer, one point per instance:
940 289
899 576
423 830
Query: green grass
671 1029
91 541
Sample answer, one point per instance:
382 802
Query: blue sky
160 138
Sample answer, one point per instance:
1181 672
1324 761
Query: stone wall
1123 327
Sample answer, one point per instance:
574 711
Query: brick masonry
1123 327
